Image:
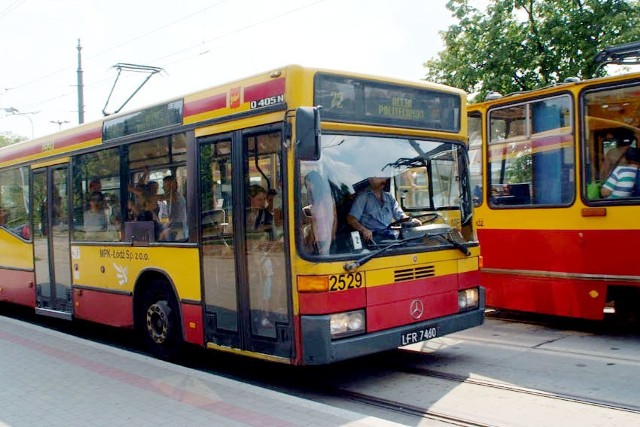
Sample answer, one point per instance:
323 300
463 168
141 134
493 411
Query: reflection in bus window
475 156
530 154
428 178
97 178
264 232
14 201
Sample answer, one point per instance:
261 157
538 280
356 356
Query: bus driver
374 210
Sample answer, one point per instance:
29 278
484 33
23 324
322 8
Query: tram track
366 398
405 408
521 390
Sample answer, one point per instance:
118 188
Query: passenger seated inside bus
172 212
615 145
624 178
374 210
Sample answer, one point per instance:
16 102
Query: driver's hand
416 222
367 235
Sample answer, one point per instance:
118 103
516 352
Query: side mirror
308 133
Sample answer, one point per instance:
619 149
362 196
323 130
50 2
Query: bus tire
161 326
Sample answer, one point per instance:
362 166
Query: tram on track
219 218
555 239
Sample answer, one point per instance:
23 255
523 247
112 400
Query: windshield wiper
457 245
441 232
352 266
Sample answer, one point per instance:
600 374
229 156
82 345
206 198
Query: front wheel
161 328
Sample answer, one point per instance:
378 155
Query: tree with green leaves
9 138
519 45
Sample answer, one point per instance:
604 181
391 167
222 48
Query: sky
197 44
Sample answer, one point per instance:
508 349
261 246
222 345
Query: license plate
418 335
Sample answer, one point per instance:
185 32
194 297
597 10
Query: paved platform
51 379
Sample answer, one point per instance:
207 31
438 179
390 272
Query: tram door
243 258
51 241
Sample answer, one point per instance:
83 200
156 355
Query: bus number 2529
342 282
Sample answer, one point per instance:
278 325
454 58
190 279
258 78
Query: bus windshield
427 178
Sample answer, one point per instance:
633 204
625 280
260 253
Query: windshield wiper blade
462 248
352 266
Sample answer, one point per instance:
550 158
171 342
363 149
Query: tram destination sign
348 99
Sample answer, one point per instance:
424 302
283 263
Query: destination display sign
347 99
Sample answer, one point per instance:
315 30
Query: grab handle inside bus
308 133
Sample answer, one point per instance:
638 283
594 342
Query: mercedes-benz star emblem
416 309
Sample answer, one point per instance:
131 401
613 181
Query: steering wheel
430 217
398 222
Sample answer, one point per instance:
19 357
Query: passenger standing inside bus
623 139
374 210
258 216
322 211
622 181
175 225
259 222
95 218
95 186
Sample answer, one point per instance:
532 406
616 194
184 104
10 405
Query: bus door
50 227
243 257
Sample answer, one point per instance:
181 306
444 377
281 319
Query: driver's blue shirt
374 214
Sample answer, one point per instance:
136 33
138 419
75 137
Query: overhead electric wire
13 6
177 52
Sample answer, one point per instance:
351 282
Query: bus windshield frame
428 177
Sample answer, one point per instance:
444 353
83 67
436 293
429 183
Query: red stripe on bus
36 147
331 302
551 140
103 307
18 287
554 296
21 152
612 252
264 90
192 323
78 138
203 105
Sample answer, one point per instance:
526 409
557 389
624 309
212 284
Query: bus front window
423 179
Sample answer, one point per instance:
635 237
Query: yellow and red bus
550 245
190 220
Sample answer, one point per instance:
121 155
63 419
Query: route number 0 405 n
342 282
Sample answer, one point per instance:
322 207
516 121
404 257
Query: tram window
530 154
14 199
96 196
475 156
157 186
610 118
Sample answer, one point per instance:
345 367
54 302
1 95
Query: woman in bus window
259 219
95 218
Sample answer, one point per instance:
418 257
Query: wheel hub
158 321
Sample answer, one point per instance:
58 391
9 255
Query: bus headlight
468 299
349 323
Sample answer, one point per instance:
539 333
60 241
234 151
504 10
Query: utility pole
80 87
